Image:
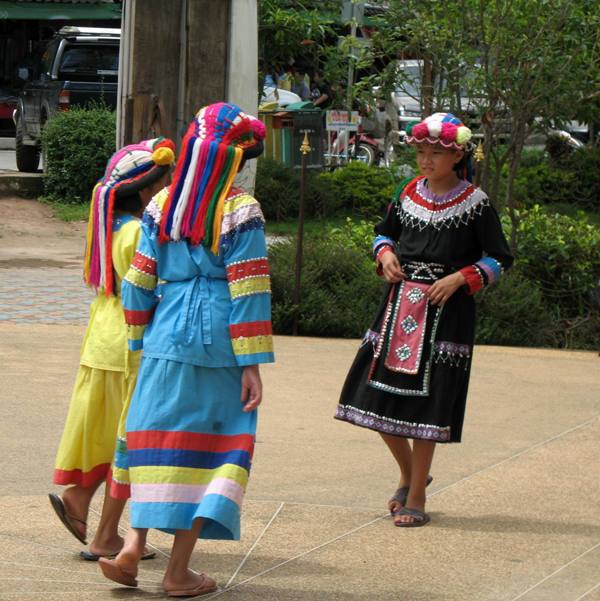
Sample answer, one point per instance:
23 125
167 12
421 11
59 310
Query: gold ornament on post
479 155
305 146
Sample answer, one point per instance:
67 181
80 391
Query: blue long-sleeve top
186 304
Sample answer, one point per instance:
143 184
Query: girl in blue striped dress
197 300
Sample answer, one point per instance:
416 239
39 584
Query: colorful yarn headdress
128 171
211 152
440 128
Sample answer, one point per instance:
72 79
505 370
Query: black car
79 66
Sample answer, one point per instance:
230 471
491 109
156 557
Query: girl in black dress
438 244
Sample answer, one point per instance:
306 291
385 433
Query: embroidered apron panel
405 344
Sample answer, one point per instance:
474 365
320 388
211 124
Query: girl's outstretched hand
251 388
390 265
443 289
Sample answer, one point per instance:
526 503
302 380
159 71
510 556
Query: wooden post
174 61
304 149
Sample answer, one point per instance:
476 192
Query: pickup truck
79 66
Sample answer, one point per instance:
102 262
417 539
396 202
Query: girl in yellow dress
107 370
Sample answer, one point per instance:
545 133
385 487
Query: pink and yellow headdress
212 149
128 171
440 128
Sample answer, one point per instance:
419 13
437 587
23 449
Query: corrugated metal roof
72 1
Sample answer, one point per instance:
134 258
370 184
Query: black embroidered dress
411 374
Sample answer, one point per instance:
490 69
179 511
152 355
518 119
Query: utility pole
353 12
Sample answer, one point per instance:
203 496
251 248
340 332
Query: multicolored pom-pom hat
217 140
128 171
440 128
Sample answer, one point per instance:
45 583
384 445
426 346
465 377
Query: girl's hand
443 289
390 265
251 388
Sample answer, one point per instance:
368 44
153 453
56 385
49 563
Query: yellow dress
105 380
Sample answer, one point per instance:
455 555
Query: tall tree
526 65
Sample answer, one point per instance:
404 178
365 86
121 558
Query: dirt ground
31 237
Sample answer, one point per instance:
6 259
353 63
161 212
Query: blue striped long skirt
189 448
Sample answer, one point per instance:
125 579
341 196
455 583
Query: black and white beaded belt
420 271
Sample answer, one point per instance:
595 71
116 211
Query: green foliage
561 255
340 290
290 29
545 300
66 211
355 189
363 190
543 183
514 313
356 235
77 144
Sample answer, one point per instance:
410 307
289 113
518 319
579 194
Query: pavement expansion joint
521 595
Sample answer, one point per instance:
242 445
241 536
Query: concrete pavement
514 507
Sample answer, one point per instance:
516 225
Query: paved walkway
514 508
53 295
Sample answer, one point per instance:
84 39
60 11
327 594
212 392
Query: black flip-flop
65 518
421 518
89 556
401 495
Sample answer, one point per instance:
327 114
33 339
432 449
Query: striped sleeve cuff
252 342
491 268
485 272
382 241
382 250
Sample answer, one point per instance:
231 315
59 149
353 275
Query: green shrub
572 177
77 144
356 235
340 290
355 189
543 183
561 255
363 191
514 313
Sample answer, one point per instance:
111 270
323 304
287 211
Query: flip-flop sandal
420 518
89 556
113 571
401 495
208 585
61 511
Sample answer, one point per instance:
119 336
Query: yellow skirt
99 403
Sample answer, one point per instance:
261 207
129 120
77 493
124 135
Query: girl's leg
400 449
422 456
77 501
178 576
124 567
107 540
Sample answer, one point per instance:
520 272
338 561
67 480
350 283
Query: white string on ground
278 510
226 590
556 572
588 592
462 480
